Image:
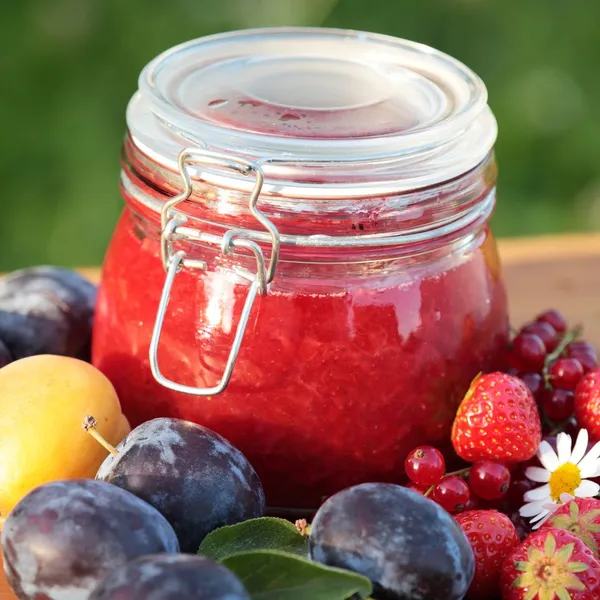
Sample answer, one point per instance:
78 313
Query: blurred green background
69 68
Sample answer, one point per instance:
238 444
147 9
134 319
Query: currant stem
569 337
429 490
460 473
90 426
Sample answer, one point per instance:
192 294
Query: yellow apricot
43 402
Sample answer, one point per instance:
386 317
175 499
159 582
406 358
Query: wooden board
546 272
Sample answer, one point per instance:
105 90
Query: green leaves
256 534
268 555
272 575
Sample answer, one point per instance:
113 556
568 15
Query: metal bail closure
172 228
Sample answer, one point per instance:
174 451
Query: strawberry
492 537
587 403
497 420
581 517
551 564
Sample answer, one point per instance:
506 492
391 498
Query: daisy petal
540 516
590 463
547 456
565 498
563 445
589 469
540 493
587 489
551 506
531 509
580 446
540 523
537 474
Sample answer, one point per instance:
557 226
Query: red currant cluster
461 490
551 361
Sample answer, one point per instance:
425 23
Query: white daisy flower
565 474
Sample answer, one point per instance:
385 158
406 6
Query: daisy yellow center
565 480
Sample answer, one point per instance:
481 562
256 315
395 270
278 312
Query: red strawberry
497 420
551 564
587 403
581 517
492 537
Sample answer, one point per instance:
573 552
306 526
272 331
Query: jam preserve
304 263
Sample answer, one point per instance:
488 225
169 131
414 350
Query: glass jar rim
452 128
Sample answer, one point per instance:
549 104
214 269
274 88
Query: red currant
451 493
474 503
489 480
558 404
555 319
581 346
528 353
534 381
565 373
545 332
585 353
417 488
513 500
425 466
570 427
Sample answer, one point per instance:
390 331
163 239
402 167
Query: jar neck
364 228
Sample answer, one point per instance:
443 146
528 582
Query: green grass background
68 68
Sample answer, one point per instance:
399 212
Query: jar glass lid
362 110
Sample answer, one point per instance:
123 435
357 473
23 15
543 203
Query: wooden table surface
561 272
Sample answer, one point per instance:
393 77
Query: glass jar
304 263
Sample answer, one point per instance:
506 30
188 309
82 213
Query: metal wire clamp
173 228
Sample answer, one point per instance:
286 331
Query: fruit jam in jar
305 263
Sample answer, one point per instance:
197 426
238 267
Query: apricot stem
90 426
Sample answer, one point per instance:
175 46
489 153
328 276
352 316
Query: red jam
354 355
330 388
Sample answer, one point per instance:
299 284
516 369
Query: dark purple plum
5 355
192 475
408 546
65 536
167 577
46 310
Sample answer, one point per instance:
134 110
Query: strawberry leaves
581 517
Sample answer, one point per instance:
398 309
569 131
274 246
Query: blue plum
192 475
65 536
46 310
408 546
166 577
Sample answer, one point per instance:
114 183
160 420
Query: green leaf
257 534
574 510
273 575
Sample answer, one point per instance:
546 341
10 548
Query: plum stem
90 426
